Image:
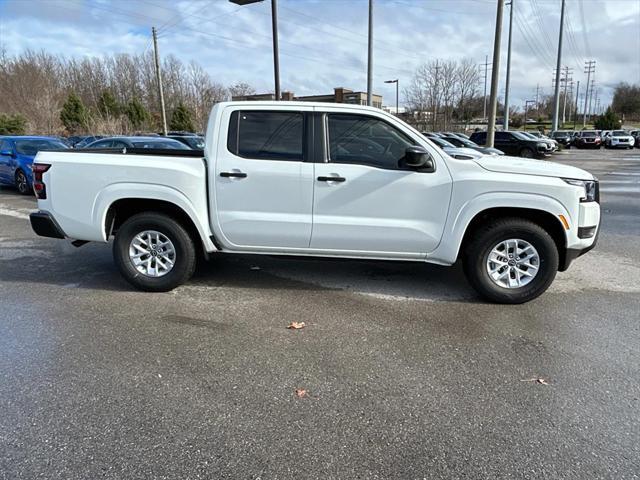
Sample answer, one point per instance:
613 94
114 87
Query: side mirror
6 153
418 158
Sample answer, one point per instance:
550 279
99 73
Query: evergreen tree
136 113
108 106
608 121
12 124
74 114
181 119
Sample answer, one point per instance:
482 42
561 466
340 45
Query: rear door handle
233 174
332 179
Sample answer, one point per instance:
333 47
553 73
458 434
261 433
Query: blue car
16 157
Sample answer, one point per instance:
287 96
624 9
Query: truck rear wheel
511 261
154 252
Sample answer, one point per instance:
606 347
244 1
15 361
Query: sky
323 43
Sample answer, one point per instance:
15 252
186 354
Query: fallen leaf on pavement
541 381
255 268
296 325
301 393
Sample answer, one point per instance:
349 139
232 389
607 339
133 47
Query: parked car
75 139
515 143
359 184
636 137
588 139
138 142
16 157
464 143
87 140
535 134
194 142
619 139
604 134
452 150
563 137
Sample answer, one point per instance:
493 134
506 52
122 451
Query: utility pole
564 96
575 115
537 94
495 74
159 80
593 89
556 96
505 124
435 97
486 69
590 67
526 108
370 56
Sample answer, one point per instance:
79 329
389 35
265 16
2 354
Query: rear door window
264 135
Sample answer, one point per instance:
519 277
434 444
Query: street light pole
396 82
274 33
276 51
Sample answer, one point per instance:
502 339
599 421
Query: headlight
542 144
590 189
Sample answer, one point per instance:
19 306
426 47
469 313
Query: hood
525 166
467 152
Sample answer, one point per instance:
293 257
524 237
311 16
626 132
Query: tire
22 184
527 153
180 242
476 260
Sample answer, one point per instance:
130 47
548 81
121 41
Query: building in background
339 95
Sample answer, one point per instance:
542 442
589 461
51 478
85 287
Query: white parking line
10 212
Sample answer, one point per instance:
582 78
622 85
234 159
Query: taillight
39 187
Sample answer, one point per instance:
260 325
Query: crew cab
319 179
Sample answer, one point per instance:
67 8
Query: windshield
197 143
161 144
588 134
442 143
523 135
31 147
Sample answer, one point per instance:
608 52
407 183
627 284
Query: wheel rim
527 153
152 253
21 182
513 263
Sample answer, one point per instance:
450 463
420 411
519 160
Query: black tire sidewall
475 266
26 180
530 151
185 252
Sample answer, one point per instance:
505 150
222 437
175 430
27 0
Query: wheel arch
549 222
119 211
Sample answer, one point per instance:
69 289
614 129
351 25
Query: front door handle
332 179
233 174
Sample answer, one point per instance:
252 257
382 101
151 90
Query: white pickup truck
331 180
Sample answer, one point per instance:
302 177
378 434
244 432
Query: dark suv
516 144
564 137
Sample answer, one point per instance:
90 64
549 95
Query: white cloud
323 42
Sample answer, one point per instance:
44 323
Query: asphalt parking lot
408 374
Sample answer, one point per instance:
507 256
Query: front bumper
45 225
587 233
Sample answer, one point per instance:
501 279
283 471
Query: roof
273 103
29 137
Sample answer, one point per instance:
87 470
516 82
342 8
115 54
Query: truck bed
81 186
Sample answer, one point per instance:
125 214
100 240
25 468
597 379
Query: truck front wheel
511 261
154 252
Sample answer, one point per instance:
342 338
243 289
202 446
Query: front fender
145 191
447 251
